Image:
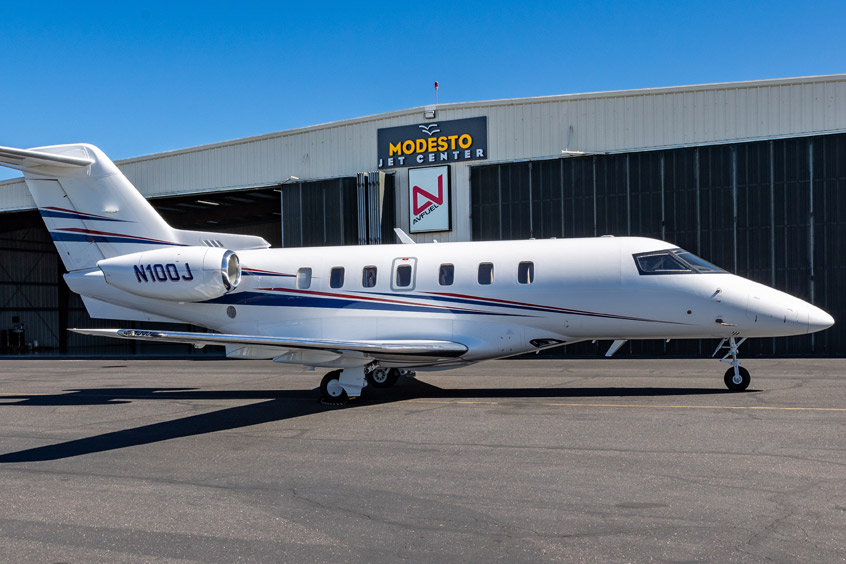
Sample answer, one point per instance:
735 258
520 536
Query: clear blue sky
140 78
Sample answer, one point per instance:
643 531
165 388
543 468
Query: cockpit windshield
673 261
698 264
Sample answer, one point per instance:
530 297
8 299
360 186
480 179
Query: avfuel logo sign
433 143
428 199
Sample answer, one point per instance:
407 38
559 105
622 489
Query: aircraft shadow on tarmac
279 406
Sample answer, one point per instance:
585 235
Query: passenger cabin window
672 261
403 276
525 272
336 277
368 276
446 275
304 278
485 273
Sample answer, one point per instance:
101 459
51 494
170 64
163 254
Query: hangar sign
435 142
428 199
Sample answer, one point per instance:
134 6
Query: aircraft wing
410 347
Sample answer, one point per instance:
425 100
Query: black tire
331 391
383 377
737 386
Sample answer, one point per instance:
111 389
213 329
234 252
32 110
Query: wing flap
411 347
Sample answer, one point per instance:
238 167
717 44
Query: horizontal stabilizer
29 160
99 309
423 347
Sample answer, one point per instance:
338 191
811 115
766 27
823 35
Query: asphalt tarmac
509 461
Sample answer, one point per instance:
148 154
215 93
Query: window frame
402 261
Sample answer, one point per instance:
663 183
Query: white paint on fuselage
582 289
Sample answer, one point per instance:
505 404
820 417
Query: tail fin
93 212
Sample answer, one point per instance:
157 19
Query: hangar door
352 210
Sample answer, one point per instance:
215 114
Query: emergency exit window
404 275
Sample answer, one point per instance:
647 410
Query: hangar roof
518 129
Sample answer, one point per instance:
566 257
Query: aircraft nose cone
818 319
775 313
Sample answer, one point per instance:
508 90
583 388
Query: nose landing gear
736 378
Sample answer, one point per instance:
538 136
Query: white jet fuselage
578 289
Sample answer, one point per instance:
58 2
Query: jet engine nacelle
185 274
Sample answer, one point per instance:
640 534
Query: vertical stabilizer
93 212
89 207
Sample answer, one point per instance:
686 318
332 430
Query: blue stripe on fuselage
262 299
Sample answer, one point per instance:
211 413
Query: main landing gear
383 377
736 378
340 386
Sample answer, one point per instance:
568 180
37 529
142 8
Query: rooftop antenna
429 112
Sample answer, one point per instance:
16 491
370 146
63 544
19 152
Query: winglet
403 236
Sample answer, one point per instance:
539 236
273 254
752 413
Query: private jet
369 314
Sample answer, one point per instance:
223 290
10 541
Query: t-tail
93 212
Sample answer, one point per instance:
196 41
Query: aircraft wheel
737 383
331 391
383 377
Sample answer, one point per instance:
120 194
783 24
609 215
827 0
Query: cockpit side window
661 262
672 261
